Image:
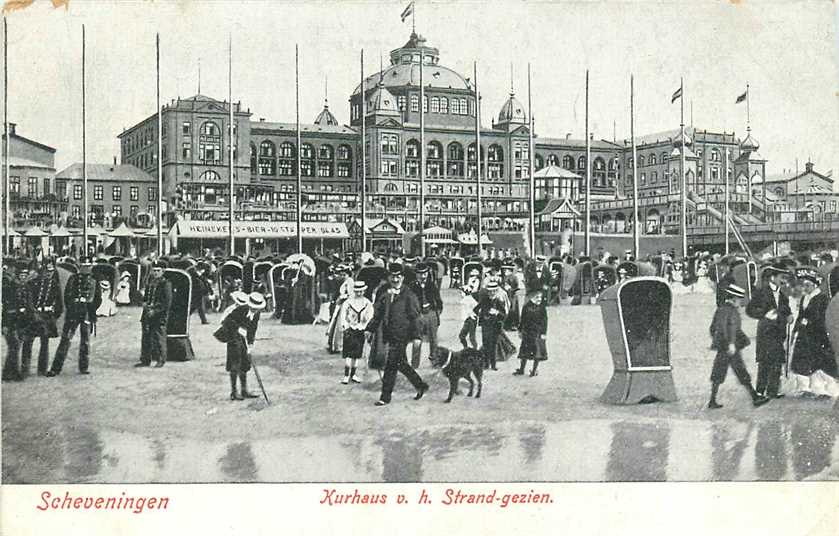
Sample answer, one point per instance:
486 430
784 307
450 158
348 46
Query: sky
785 50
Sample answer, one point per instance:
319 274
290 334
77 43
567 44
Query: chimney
12 128
115 163
567 135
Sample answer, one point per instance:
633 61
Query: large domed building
266 158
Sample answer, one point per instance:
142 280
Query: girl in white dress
123 295
355 313
108 307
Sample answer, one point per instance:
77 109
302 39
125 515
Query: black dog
456 365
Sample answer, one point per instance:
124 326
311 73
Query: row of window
116 210
116 192
31 187
434 105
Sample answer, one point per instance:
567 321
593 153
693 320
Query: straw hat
256 301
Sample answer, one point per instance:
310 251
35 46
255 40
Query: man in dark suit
82 297
431 306
47 305
398 312
770 307
155 314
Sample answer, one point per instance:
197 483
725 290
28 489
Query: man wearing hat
431 306
397 311
16 313
538 277
238 331
201 290
82 297
47 304
727 338
770 307
155 315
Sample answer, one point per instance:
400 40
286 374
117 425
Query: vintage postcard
539 266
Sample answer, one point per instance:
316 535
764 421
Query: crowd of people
381 307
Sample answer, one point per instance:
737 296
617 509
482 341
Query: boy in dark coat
728 339
238 331
533 329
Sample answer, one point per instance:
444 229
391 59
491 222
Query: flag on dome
407 11
676 95
742 97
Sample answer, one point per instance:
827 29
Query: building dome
325 117
677 140
382 100
749 144
512 111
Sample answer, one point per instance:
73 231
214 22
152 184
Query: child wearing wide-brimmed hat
356 313
238 331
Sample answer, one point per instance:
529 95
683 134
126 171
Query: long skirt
335 332
504 347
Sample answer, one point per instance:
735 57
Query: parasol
121 231
308 265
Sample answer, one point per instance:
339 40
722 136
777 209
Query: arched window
253 158
444 105
434 159
412 148
715 155
209 176
267 160
390 187
435 105
599 175
209 143
653 177
568 161
663 158
552 160
495 164
344 152
641 161
652 160
473 166
538 162
415 103
613 164
287 161
581 162
307 164
326 156
455 160
344 161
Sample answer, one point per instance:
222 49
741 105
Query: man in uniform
47 305
431 306
82 297
156 303
770 307
397 310
14 316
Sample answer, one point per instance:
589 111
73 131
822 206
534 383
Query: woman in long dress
123 295
108 307
812 367
335 331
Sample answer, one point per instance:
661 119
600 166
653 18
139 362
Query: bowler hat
775 269
422 268
395 269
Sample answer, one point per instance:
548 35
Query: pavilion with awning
557 215
380 232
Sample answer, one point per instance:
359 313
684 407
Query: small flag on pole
676 95
742 97
407 11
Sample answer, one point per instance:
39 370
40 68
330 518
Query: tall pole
230 230
7 218
84 154
159 157
727 186
299 149
422 160
478 151
588 182
363 171
684 216
532 208
636 227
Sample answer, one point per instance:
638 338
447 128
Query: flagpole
84 155
684 218
532 211
230 230
7 220
299 148
727 186
159 156
636 230
478 150
422 160
363 171
588 182
748 111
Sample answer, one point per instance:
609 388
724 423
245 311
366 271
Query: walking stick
259 381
